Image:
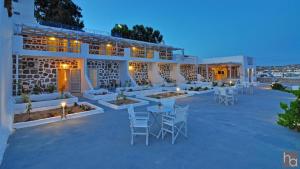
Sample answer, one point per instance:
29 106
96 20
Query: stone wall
38 71
165 71
189 72
140 72
107 71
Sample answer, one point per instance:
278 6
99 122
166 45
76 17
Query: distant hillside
292 67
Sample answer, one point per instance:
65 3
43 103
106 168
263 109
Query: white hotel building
34 54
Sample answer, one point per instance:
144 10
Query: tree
138 32
121 30
64 12
8 6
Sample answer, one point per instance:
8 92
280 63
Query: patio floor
241 136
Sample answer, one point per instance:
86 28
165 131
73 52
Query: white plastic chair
223 96
217 95
231 96
139 124
175 124
168 103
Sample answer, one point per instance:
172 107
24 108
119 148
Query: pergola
89 37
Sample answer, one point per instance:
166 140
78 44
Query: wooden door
75 81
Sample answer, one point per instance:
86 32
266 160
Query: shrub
37 89
25 98
291 116
277 86
296 93
51 88
85 107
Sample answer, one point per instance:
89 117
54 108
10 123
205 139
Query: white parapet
154 75
175 74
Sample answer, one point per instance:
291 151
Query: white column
117 51
230 72
17 74
206 69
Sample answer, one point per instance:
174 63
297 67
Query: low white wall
154 75
175 74
124 73
5 77
85 81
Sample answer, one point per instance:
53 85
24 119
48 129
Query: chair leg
162 131
132 136
147 136
185 129
173 140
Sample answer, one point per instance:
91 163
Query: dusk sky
268 30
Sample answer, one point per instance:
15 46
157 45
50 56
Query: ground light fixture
63 105
130 68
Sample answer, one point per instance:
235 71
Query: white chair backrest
169 103
223 91
181 114
230 91
131 112
217 91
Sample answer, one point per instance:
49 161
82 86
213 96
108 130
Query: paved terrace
241 136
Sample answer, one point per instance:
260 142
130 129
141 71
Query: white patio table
156 111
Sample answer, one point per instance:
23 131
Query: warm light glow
76 41
130 67
52 38
63 104
108 45
230 82
133 48
64 66
177 89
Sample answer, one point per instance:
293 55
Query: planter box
187 86
96 110
43 100
91 95
139 90
113 106
201 92
158 100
